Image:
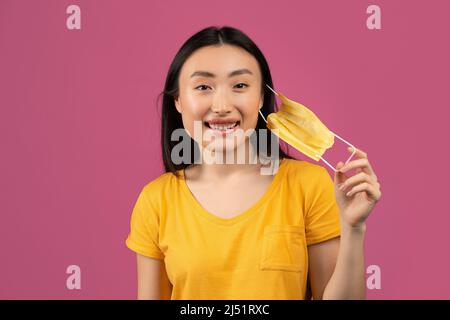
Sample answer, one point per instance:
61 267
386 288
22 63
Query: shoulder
165 183
310 177
304 168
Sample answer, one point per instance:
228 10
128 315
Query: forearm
348 279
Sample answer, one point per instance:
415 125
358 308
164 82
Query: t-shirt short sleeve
144 225
322 216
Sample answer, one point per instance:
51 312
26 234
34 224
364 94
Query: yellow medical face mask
301 128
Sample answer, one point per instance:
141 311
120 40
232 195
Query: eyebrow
212 75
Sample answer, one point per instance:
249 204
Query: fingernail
348 194
341 187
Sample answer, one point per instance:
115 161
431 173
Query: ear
178 104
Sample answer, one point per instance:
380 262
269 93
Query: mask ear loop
262 116
271 89
343 140
260 108
351 156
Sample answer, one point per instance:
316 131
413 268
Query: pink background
80 127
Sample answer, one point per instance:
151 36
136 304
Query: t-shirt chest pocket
284 248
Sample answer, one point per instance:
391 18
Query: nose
221 103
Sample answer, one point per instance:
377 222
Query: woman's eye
241 85
202 87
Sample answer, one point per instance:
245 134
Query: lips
222 127
222 124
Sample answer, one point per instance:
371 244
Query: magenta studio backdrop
80 127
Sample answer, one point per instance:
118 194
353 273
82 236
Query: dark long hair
171 118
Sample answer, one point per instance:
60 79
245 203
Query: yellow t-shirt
259 254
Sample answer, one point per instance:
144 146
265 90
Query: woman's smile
222 127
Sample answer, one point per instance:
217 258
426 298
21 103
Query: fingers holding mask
356 179
364 180
362 163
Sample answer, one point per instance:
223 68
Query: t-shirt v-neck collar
246 213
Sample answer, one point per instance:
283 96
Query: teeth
222 126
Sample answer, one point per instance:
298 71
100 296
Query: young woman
223 230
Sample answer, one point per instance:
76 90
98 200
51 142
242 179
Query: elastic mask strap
260 109
271 89
262 116
345 141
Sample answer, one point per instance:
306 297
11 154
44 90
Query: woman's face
220 92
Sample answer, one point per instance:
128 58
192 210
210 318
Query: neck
227 163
